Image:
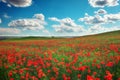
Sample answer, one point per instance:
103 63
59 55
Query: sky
58 17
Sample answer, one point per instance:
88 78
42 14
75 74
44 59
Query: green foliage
65 49
3 74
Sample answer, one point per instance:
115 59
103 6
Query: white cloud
46 31
6 16
100 19
9 5
99 29
39 16
36 23
54 19
9 31
96 28
0 21
4 1
112 17
26 23
103 3
66 25
113 28
97 19
65 21
101 11
68 22
64 28
18 3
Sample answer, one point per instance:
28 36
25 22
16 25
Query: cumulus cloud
113 28
101 11
39 16
54 19
26 23
6 16
96 22
36 23
97 19
46 31
96 28
112 17
66 25
103 3
99 28
100 19
4 1
18 3
64 28
9 31
9 5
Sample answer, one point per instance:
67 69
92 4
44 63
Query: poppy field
95 57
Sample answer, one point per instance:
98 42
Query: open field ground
95 57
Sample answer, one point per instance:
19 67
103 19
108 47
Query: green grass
30 38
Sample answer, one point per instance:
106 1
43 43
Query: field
95 57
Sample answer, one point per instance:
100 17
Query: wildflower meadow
95 57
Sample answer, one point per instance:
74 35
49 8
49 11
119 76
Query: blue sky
58 17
